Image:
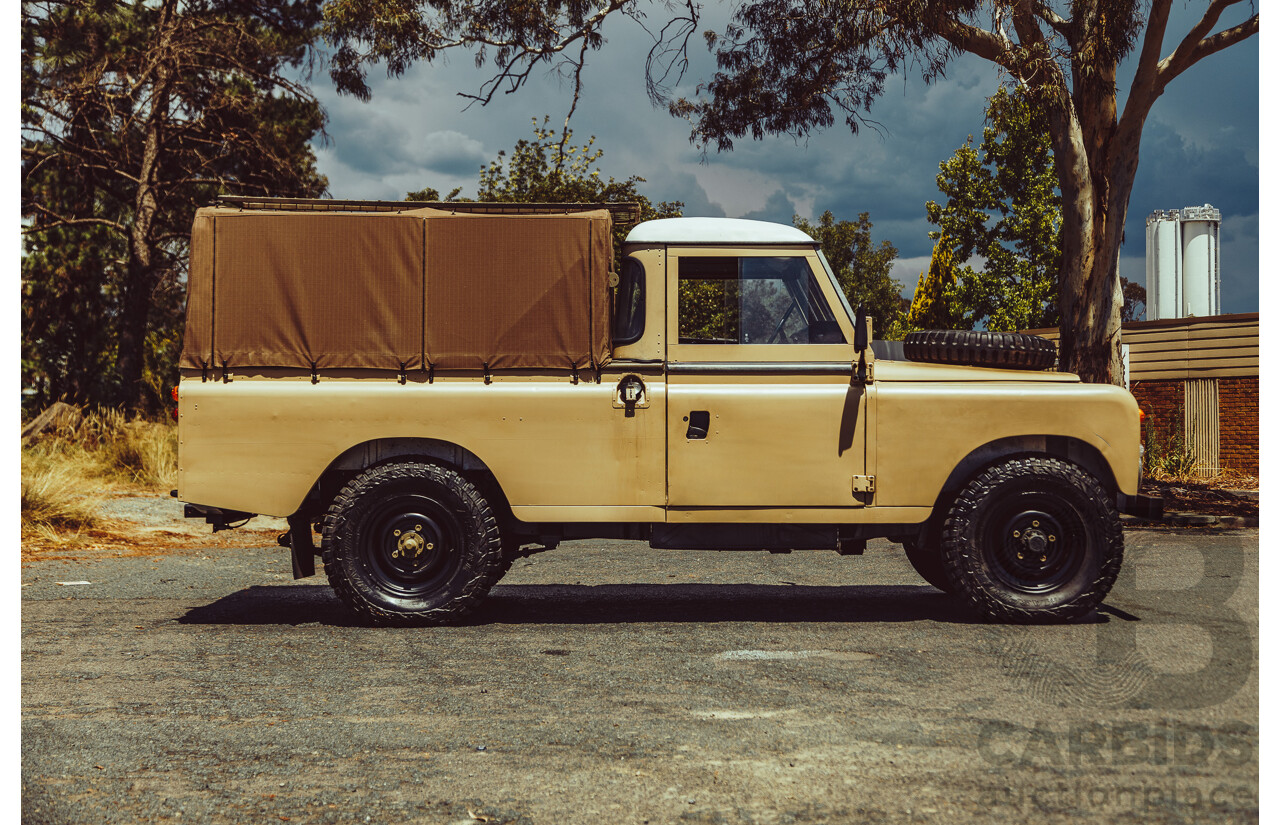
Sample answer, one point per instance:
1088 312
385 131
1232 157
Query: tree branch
1196 46
58 220
1051 18
577 93
1036 50
664 51
968 38
1152 44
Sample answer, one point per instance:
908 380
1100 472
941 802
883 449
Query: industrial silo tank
1183 263
1199 264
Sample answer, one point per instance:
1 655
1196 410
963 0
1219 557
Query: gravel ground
165 513
608 682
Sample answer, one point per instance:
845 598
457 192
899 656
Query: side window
628 313
753 301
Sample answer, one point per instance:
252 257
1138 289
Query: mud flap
301 548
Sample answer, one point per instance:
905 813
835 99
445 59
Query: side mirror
860 330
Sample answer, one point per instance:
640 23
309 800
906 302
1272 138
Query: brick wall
1238 423
1163 402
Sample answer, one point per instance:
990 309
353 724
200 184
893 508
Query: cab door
765 419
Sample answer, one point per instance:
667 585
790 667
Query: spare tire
974 348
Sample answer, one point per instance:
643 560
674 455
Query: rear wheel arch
360 457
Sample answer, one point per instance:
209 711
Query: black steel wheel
926 558
411 543
1033 539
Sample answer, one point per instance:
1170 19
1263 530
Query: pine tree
931 308
134 114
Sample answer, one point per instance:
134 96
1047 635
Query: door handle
630 394
699 423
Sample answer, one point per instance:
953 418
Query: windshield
844 300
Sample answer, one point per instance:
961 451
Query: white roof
728 231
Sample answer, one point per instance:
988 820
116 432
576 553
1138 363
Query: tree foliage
861 267
793 66
549 169
1135 300
133 115
933 306
1002 205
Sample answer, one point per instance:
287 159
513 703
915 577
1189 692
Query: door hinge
864 484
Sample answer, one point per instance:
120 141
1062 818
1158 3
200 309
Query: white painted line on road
71 584
766 655
738 714
784 655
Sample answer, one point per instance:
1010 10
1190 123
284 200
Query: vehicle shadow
617 604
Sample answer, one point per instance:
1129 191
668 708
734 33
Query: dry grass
1180 467
64 470
56 493
142 453
1224 478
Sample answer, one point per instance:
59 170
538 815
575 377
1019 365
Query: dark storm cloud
1174 173
777 208
368 142
1240 263
668 185
889 168
1201 144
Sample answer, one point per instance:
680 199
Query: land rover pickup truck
436 392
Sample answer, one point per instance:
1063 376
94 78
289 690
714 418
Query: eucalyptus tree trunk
1095 202
1096 148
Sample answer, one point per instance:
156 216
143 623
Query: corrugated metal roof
1213 346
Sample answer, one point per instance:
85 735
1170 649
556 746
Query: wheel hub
411 544
1034 552
1035 541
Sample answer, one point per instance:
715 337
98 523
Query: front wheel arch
928 535
1066 448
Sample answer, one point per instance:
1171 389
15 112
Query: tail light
175 400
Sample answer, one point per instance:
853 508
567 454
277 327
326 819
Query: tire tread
484 564
960 558
980 348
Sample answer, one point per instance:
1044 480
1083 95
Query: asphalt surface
608 682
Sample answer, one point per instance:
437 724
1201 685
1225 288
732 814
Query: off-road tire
387 575
927 560
1061 521
975 348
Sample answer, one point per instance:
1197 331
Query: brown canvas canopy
397 290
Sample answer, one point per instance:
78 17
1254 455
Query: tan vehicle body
439 391
791 428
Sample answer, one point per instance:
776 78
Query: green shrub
1167 457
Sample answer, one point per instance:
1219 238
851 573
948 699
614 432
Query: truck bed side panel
259 445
